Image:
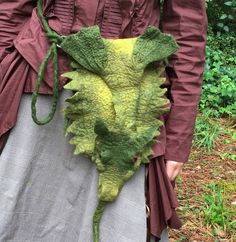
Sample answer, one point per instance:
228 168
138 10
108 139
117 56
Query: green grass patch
206 131
217 212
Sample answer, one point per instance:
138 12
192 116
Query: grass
216 212
206 132
206 189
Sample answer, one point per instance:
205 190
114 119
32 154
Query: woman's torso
116 18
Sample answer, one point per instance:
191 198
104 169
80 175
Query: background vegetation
207 185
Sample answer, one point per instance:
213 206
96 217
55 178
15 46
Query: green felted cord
52 35
54 39
96 220
52 53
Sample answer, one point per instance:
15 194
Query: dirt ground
218 167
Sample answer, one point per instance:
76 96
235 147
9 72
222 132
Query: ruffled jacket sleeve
187 22
14 14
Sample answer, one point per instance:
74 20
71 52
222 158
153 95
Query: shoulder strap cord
54 39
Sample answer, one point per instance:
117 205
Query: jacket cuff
180 126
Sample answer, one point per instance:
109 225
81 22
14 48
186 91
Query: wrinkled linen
47 194
23 46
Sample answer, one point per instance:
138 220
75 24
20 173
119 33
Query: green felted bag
114 114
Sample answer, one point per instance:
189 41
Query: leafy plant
221 15
227 17
219 87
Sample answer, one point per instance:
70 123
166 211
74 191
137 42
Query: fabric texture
161 198
164 237
47 194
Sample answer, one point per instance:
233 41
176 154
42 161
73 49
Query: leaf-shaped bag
115 110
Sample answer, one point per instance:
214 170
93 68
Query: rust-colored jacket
23 45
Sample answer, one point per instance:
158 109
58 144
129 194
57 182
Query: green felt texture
54 39
114 112
96 219
87 48
92 99
153 45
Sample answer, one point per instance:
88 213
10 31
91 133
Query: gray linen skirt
47 194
